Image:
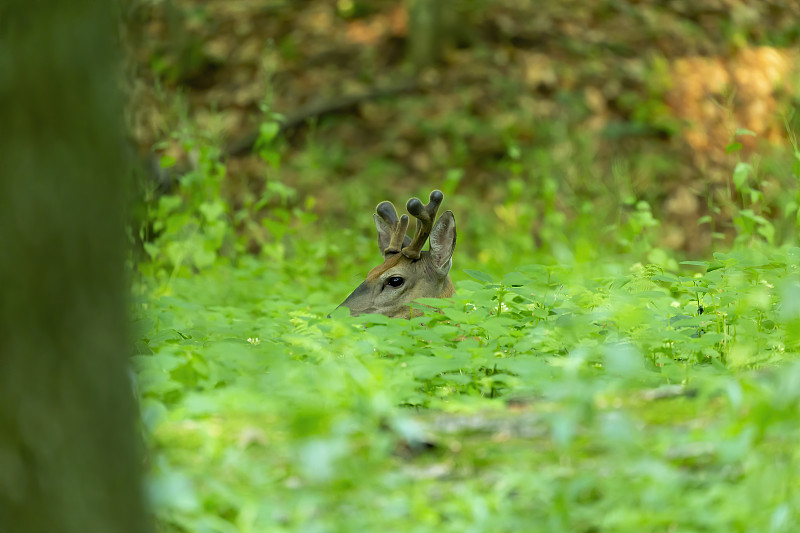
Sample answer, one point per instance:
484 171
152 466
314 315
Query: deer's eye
395 281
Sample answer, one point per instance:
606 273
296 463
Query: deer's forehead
391 262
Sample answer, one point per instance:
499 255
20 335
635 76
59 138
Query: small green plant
760 213
190 226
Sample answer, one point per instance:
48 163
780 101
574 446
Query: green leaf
212 210
203 258
469 285
174 491
741 173
340 313
272 157
515 278
733 147
480 276
669 278
268 131
275 228
169 203
373 319
438 303
451 180
151 249
697 290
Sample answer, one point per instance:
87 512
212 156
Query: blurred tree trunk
69 459
427 32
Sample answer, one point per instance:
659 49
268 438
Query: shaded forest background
559 118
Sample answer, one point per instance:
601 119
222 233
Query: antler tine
388 213
426 216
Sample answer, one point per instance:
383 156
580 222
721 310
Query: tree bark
429 33
69 451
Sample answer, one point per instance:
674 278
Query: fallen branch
316 110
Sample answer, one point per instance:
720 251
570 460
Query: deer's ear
443 242
385 235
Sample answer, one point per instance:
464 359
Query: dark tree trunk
69 457
426 32
434 26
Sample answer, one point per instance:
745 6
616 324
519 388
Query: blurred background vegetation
585 377
573 128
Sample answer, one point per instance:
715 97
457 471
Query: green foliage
612 388
545 396
757 217
189 228
193 227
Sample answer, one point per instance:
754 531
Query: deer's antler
425 215
398 227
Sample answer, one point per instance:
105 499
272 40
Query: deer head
407 273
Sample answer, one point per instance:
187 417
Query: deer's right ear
385 236
443 242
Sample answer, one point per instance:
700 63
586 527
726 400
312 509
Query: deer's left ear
443 242
384 233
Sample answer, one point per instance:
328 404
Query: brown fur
424 277
376 272
422 281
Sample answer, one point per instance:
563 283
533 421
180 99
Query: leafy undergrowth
547 400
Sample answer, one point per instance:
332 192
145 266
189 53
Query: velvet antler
426 216
398 227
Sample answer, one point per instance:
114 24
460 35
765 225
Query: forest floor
615 102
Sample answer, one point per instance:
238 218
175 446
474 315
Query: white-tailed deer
407 273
